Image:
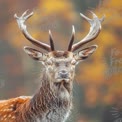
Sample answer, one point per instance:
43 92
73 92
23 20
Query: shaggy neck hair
48 98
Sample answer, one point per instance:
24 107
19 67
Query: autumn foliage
100 77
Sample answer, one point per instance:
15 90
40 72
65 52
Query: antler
72 39
51 41
21 23
93 33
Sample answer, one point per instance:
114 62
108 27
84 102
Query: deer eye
49 62
73 62
57 64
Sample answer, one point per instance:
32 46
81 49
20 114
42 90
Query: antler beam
21 23
93 33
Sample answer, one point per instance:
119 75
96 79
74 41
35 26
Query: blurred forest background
98 83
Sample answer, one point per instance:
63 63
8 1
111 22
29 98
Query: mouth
63 84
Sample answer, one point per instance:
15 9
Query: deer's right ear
33 53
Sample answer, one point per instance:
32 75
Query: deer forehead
60 54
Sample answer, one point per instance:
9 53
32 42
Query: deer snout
63 74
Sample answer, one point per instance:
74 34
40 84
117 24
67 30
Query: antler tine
21 23
72 38
94 30
51 41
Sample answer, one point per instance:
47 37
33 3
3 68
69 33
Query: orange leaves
55 6
115 4
91 96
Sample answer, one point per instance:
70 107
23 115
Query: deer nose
63 74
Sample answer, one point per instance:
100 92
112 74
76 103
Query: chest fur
55 115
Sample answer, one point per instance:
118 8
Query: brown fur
26 109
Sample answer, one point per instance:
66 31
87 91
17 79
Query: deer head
60 65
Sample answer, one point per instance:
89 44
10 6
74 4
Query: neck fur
48 97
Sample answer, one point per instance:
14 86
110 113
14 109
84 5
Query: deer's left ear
85 53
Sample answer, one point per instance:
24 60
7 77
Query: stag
53 101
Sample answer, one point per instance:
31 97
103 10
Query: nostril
63 74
